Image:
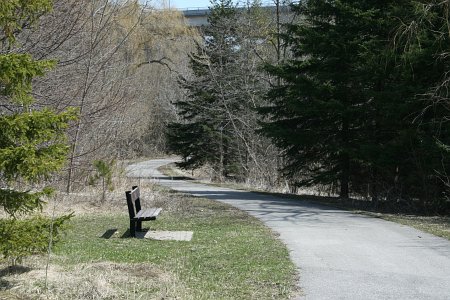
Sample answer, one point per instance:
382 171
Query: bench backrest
133 201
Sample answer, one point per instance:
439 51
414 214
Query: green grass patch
436 225
231 256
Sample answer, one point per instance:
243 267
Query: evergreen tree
103 172
325 113
217 119
350 108
203 136
423 41
316 108
32 141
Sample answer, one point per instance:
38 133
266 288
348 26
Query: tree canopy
348 105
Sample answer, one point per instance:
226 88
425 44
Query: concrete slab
169 235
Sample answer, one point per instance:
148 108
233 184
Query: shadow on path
340 255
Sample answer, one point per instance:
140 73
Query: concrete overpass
198 16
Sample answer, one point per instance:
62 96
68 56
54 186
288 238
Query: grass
232 256
436 225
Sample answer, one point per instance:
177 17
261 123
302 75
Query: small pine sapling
103 173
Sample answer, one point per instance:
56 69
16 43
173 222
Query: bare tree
116 64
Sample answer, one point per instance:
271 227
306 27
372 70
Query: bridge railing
193 8
263 3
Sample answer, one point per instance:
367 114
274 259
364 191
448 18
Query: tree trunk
345 174
344 161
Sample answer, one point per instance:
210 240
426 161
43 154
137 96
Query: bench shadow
109 233
139 234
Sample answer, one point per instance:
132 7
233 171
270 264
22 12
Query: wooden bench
137 214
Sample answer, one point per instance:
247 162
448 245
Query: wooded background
344 98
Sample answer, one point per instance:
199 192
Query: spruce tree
203 135
32 141
423 42
323 112
217 116
351 108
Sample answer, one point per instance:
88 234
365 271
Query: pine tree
323 113
204 134
423 42
32 141
217 119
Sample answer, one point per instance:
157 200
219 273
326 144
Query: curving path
339 255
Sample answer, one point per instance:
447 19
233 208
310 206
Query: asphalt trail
339 255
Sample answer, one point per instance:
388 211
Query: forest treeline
347 97
83 83
116 63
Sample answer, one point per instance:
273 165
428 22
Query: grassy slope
437 225
232 255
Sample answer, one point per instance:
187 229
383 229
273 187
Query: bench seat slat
150 213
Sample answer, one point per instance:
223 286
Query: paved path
339 255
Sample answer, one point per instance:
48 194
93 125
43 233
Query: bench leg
132 228
139 226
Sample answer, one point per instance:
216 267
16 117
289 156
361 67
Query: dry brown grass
88 266
97 280
88 201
